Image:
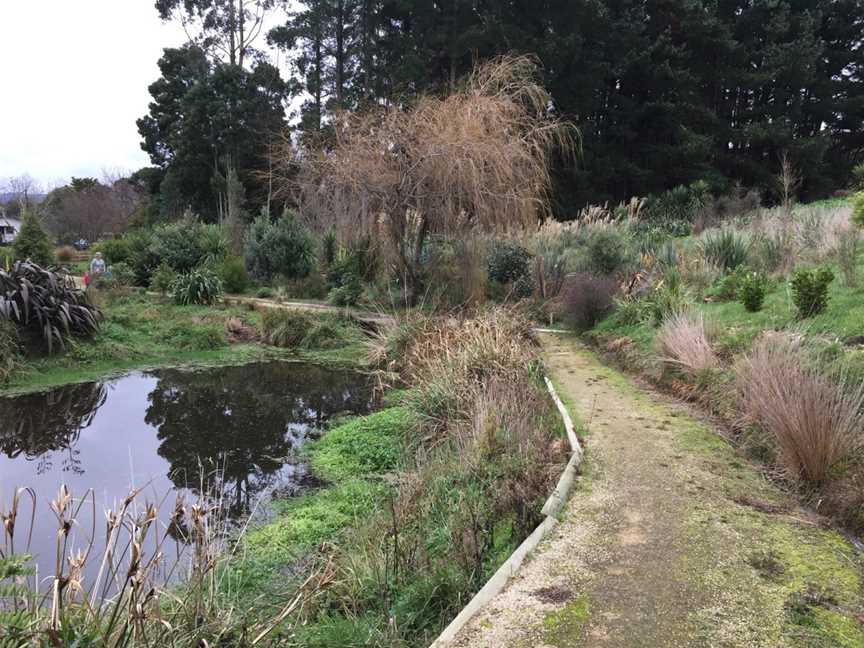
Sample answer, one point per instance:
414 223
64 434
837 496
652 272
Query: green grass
364 446
843 317
352 457
141 331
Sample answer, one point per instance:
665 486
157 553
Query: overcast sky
74 77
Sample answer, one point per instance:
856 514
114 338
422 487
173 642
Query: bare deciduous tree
477 159
788 182
92 209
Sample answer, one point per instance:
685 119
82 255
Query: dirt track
671 539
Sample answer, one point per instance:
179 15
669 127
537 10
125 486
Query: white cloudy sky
74 77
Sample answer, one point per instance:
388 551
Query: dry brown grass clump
684 343
815 422
150 575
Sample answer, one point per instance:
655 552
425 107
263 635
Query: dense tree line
665 92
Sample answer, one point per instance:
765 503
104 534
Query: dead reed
141 580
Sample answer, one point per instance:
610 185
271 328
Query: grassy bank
423 499
418 504
787 383
141 331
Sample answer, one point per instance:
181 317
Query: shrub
64 254
346 295
751 291
200 286
232 272
846 248
604 250
115 250
32 242
284 327
814 422
162 279
6 258
667 297
586 299
187 244
122 274
858 176
264 293
810 290
46 303
143 260
858 209
726 248
283 247
727 287
10 350
507 262
676 210
329 247
684 343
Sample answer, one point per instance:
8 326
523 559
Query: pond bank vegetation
420 504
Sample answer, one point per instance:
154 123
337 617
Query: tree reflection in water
46 422
233 429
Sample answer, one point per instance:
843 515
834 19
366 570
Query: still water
234 429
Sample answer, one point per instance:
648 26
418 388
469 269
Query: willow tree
477 159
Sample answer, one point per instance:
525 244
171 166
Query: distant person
97 266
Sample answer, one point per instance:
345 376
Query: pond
234 430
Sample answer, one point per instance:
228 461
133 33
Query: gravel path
671 539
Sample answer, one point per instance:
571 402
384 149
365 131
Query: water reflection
235 428
239 427
40 424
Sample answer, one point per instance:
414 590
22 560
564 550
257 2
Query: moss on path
671 539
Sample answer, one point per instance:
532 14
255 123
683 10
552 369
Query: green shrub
858 177
122 273
187 244
32 242
858 209
727 248
162 279
6 258
10 350
200 286
281 248
115 250
346 295
603 251
198 338
810 290
46 304
232 272
846 252
675 210
507 262
264 293
752 288
285 328
329 248
727 286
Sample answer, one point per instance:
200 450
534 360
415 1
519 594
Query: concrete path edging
496 584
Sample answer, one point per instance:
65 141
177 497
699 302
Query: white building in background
9 228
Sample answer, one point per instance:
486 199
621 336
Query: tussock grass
683 342
814 422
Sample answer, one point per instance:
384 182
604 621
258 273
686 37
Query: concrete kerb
511 566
